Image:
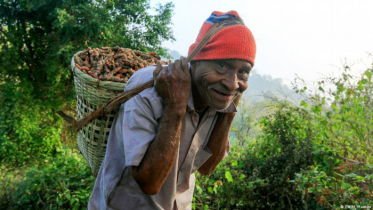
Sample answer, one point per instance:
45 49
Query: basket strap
125 96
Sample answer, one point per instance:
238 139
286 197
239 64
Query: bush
342 172
64 182
258 176
28 131
315 156
335 191
37 41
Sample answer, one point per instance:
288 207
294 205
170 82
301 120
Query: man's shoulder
149 96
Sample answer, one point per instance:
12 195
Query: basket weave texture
92 94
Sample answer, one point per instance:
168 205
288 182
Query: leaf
210 190
215 189
251 184
352 175
346 186
199 189
368 74
228 176
59 202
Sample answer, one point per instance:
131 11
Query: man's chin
219 108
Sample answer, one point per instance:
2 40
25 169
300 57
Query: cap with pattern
233 42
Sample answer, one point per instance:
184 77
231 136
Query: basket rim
93 81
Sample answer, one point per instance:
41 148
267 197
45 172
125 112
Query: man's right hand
173 83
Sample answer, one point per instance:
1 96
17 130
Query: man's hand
173 83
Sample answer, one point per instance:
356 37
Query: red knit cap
233 42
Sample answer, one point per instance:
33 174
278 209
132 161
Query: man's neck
200 104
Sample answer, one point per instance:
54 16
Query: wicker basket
91 94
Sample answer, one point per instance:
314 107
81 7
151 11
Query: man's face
220 81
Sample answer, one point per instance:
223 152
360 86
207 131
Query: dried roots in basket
115 64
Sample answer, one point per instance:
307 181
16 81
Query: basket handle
125 96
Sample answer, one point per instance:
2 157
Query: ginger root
114 64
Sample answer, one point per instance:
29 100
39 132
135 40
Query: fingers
182 66
157 73
178 67
185 66
172 82
179 70
157 70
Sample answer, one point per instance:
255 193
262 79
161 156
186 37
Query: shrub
316 156
63 182
342 172
257 177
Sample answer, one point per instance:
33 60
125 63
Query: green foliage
335 191
28 131
315 156
63 182
257 177
343 116
243 127
37 41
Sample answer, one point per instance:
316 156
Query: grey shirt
133 130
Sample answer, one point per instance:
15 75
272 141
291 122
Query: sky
311 39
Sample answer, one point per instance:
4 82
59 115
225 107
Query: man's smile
223 96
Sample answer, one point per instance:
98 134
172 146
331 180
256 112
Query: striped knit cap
233 42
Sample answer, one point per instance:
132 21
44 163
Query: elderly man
165 133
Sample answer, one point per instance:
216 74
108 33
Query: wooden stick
66 117
354 162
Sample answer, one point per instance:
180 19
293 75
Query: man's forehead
243 63
232 62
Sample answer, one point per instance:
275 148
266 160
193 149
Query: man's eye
242 71
244 74
222 64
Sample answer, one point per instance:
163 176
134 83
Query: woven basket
92 94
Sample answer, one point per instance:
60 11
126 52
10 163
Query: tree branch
355 162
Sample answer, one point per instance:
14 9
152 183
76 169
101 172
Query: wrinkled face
219 81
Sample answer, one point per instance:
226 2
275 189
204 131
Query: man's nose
230 81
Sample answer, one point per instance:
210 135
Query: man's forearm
218 142
162 152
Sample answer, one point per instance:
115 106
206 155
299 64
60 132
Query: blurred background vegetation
304 147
